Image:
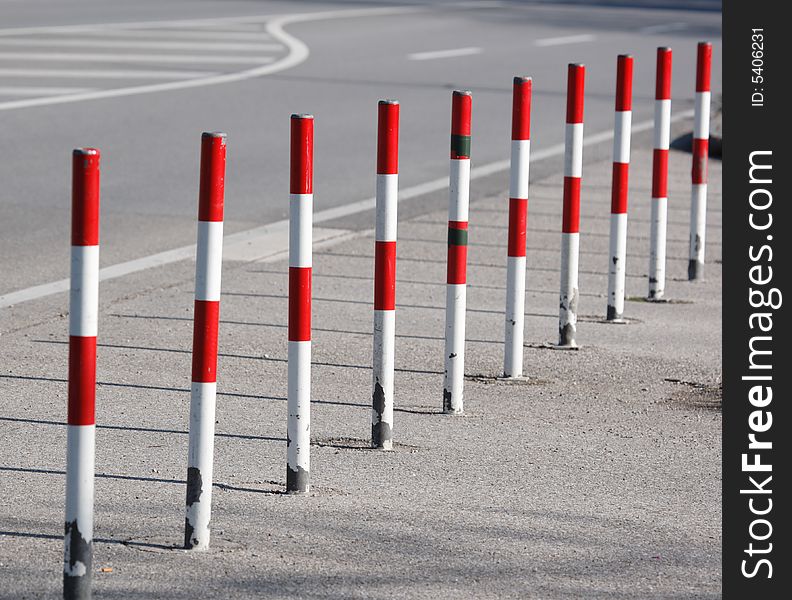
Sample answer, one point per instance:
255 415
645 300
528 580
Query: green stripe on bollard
457 237
460 146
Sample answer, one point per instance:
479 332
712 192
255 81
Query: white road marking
567 39
297 53
135 58
444 53
233 27
271 237
173 34
129 26
663 28
82 42
104 74
477 4
15 90
216 22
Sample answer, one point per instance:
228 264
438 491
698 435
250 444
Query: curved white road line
298 52
273 236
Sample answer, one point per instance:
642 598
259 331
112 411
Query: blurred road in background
142 80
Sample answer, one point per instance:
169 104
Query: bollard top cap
520 79
705 43
577 65
302 116
463 93
664 48
388 101
625 55
213 134
85 152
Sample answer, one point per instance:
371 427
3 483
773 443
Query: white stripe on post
570 252
84 292
459 188
80 445
573 156
621 139
299 422
209 261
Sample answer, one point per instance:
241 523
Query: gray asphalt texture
596 477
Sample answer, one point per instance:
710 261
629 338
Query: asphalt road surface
142 80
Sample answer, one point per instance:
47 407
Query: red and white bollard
662 139
701 125
208 266
619 189
456 276
518 217
83 313
385 274
298 430
570 236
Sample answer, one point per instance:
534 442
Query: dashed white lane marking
248 245
83 42
444 53
18 90
136 58
104 74
567 39
665 28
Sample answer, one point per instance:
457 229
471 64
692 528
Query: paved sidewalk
597 477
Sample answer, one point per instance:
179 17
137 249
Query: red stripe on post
458 224
660 174
703 67
518 219
301 174
663 74
521 108
619 188
576 76
212 183
299 304
457 265
461 106
207 319
700 152
82 380
85 197
387 137
624 80
385 276
571 219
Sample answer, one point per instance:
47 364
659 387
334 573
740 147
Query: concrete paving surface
598 476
